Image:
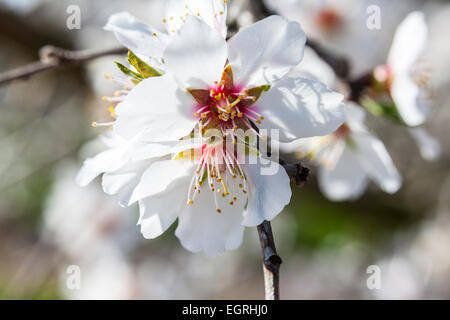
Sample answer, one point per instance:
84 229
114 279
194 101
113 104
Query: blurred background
48 224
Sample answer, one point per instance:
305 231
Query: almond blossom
349 157
406 76
186 137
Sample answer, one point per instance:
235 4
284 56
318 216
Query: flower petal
106 161
313 67
377 163
430 148
301 108
197 54
137 36
267 194
266 51
409 42
213 12
409 100
158 107
156 215
160 176
202 229
347 180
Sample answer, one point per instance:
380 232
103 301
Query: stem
271 261
52 58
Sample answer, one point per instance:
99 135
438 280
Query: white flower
341 26
147 41
404 74
165 157
349 157
406 77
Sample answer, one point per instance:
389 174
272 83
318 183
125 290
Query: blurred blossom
341 25
88 224
104 276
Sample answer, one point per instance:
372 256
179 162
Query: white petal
202 229
430 148
376 161
409 42
301 108
160 176
313 67
159 212
158 107
197 55
409 100
106 161
213 12
268 194
114 182
347 180
137 36
265 51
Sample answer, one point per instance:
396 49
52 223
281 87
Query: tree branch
53 58
271 261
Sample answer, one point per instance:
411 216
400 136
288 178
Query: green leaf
130 73
382 109
143 68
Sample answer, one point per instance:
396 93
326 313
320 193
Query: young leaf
130 73
143 68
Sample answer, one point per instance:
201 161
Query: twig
53 58
271 261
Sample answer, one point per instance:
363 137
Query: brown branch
53 58
271 261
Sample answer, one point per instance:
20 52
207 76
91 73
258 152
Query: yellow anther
219 191
117 93
221 12
196 114
164 20
190 202
94 124
204 115
112 111
154 33
198 14
108 76
239 114
258 121
111 128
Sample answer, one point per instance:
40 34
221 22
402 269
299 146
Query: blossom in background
349 157
164 155
341 26
405 78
